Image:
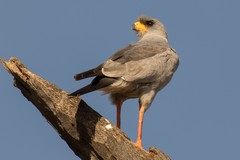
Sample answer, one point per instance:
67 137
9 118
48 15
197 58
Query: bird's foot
139 145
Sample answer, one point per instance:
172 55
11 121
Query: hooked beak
138 27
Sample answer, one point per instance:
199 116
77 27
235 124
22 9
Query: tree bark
86 132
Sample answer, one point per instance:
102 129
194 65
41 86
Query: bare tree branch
86 132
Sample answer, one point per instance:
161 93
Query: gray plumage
139 70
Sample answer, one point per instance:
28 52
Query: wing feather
136 62
136 51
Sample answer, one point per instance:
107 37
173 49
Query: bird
139 70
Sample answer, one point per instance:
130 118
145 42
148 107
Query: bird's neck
153 37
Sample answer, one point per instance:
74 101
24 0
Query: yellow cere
140 27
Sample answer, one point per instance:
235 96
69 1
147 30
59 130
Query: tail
97 83
84 90
90 73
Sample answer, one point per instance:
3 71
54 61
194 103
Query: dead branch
86 132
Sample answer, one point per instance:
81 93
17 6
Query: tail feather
90 73
97 83
84 90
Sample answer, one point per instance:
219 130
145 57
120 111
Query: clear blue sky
195 117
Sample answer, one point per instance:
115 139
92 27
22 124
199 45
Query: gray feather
141 62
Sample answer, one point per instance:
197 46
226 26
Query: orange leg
140 124
119 106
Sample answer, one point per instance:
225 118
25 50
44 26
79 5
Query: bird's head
145 25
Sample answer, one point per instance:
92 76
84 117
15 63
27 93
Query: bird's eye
150 23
